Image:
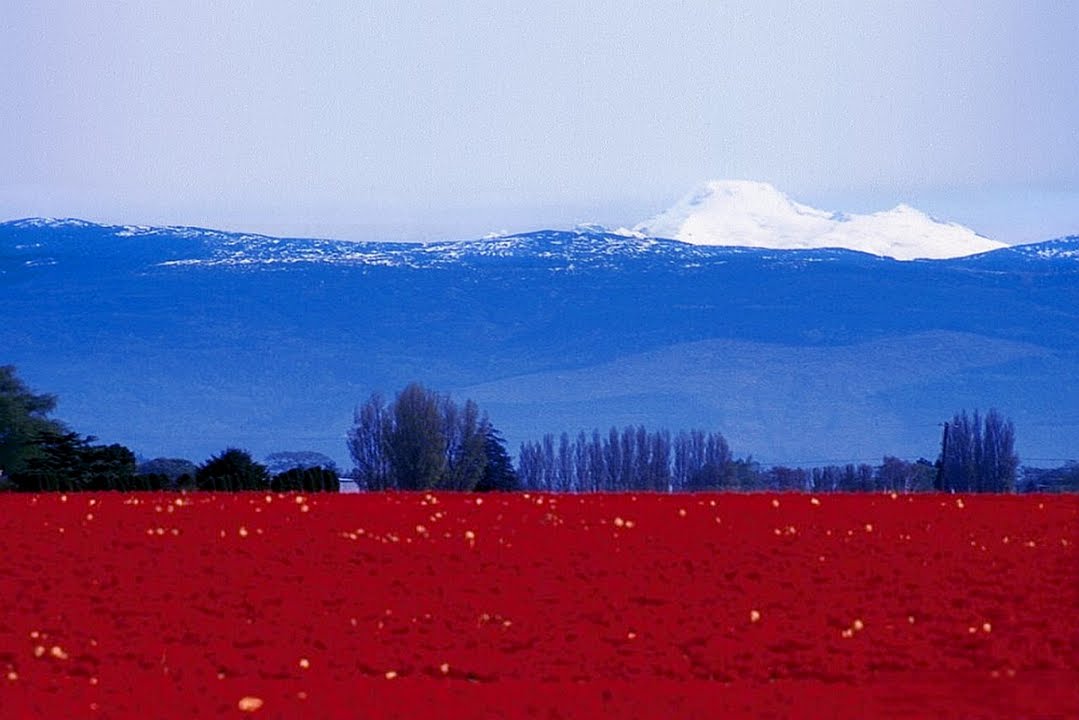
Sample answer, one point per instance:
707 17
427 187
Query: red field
459 606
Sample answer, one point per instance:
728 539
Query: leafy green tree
24 421
232 471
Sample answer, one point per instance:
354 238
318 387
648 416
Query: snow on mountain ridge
1064 248
49 222
756 214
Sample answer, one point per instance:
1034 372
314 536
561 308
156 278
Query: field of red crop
504 606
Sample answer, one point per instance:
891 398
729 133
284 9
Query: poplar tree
416 443
977 455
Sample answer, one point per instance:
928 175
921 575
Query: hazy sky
415 120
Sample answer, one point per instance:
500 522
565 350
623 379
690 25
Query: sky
436 120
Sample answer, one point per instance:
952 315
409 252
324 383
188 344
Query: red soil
405 606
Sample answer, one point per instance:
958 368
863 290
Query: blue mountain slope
1061 254
184 340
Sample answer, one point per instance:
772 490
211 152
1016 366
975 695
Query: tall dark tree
498 474
23 421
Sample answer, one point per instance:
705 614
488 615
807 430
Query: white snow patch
48 222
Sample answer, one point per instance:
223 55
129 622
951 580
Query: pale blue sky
419 120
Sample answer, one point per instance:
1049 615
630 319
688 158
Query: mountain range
181 341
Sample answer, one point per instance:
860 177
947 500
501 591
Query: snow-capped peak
755 214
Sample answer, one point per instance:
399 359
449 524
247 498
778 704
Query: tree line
40 454
977 455
635 459
423 440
